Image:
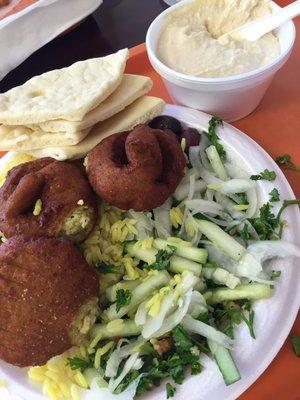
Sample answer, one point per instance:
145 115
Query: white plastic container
231 98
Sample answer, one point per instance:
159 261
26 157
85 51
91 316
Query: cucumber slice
221 239
177 264
221 276
225 363
216 163
111 292
191 253
253 291
139 294
122 328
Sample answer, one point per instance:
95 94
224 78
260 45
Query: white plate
273 317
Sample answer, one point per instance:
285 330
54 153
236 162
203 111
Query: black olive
192 138
165 122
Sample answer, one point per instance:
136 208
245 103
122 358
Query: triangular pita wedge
67 93
139 112
20 138
131 88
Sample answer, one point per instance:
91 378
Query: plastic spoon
254 30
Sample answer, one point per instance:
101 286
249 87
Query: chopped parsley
265 175
106 268
123 298
170 390
275 275
162 261
244 233
80 363
296 344
274 195
214 138
285 161
266 223
230 314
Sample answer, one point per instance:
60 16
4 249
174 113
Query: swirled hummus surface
189 43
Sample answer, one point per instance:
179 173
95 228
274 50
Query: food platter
274 317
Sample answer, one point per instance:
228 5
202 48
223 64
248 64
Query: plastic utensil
254 30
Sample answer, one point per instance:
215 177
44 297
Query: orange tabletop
275 125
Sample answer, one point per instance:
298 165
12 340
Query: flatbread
131 88
67 93
139 112
20 138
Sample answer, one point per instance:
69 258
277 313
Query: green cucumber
139 294
252 291
111 291
216 163
225 362
221 276
221 239
189 252
123 328
177 264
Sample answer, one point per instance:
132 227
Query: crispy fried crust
59 185
43 284
136 170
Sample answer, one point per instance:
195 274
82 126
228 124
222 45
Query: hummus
189 41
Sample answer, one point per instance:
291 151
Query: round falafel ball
48 298
46 197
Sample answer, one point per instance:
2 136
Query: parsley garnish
232 313
296 344
266 223
211 264
274 195
285 160
170 390
123 298
275 275
265 175
106 268
80 363
162 259
214 138
244 233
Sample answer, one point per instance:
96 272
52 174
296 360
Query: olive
192 138
166 123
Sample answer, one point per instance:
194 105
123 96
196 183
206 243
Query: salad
178 280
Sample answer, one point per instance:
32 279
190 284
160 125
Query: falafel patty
45 285
48 198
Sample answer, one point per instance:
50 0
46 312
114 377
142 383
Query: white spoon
254 30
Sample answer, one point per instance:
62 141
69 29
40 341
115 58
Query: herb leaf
274 195
162 259
123 298
106 268
265 175
170 390
80 363
214 138
285 160
296 344
266 223
244 233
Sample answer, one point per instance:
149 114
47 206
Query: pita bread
139 112
20 138
67 93
131 88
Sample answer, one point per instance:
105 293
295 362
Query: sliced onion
253 202
194 157
132 363
144 224
233 186
268 249
176 318
192 187
162 221
197 305
203 206
195 326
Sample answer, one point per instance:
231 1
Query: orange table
275 125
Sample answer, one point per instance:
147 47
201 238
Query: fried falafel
47 293
48 198
136 170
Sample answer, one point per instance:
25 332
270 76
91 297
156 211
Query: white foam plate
273 317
